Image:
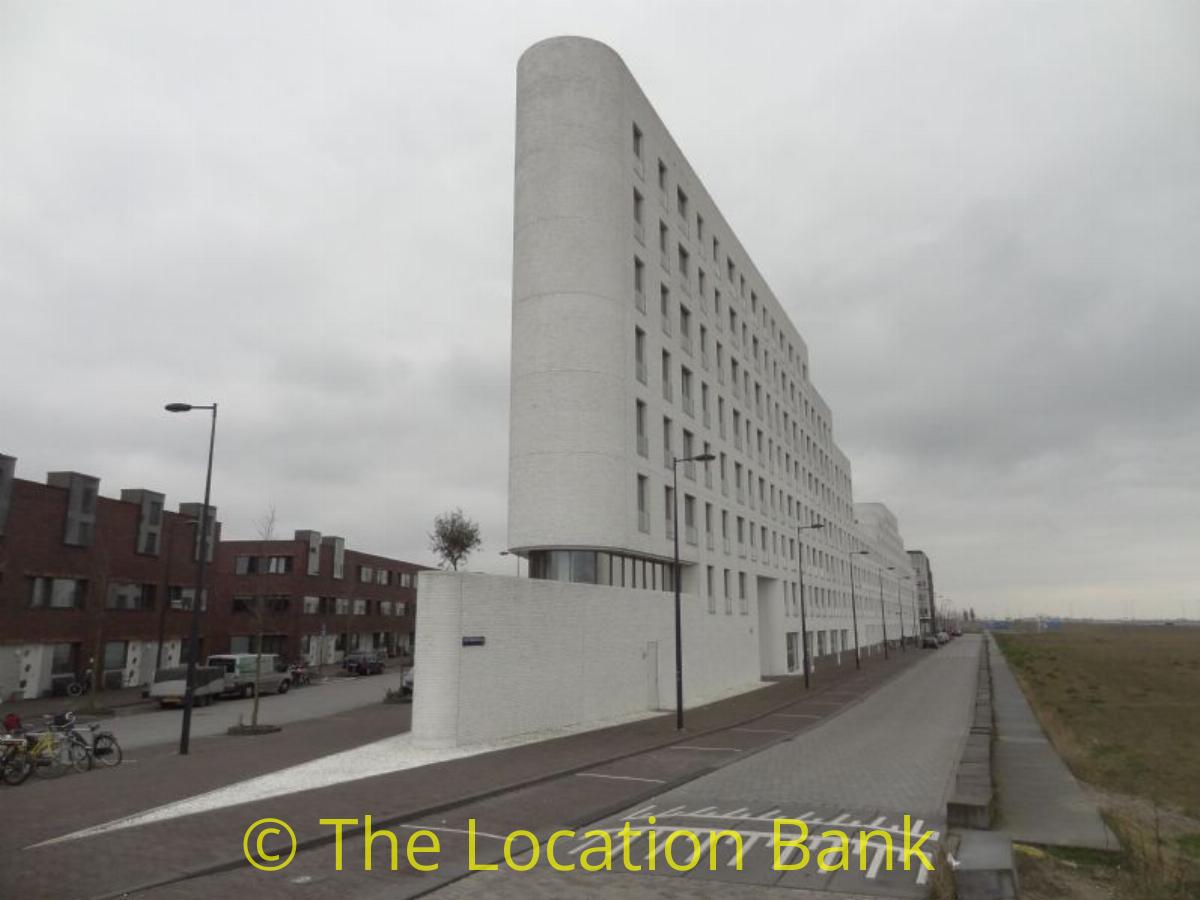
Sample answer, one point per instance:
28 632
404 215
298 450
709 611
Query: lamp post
883 615
803 615
900 606
854 606
194 635
675 461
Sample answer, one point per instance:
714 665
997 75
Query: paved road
894 753
312 702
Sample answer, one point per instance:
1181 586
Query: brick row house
86 577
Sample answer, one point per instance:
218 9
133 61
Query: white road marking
486 834
762 730
619 777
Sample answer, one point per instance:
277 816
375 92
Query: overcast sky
983 218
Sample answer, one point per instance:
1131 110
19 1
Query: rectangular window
639 354
669 510
664 307
246 565
689 519
727 592
685 328
637 141
663 258
708 584
129 596
685 390
279 565
681 203
689 467
667 389
668 452
662 176
639 284
684 265
643 442
57 593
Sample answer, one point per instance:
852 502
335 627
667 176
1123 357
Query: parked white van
239 673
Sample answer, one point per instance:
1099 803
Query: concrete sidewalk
1039 800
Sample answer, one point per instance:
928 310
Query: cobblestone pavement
892 754
895 751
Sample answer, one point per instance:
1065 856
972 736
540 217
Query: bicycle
99 746
81 687
47 754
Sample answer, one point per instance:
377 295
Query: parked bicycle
47 754
96 747
82 686
59 746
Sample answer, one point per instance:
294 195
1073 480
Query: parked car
239 673
929 641
170 685
406 682
364 662
943 638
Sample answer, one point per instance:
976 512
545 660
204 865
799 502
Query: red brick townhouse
86 577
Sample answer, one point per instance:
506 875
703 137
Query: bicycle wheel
79 753
15 767
106 750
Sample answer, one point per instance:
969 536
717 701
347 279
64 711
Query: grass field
1122 706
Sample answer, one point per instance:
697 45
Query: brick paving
185 848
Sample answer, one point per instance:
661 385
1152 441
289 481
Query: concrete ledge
972 803
987 869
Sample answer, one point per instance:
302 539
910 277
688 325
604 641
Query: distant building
312 597
84 576
925 595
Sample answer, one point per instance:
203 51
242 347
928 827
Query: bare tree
453 538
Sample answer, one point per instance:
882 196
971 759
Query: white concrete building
884 577
642 332
926 608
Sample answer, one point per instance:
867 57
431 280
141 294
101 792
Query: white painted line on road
499 837
690 747
619 777
762 730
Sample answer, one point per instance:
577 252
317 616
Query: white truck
170 685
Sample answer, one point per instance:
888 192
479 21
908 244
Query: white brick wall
559 654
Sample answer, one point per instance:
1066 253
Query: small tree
453 538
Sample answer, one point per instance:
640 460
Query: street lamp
882 617
899 608
194 636
803 616
854 605
675 461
